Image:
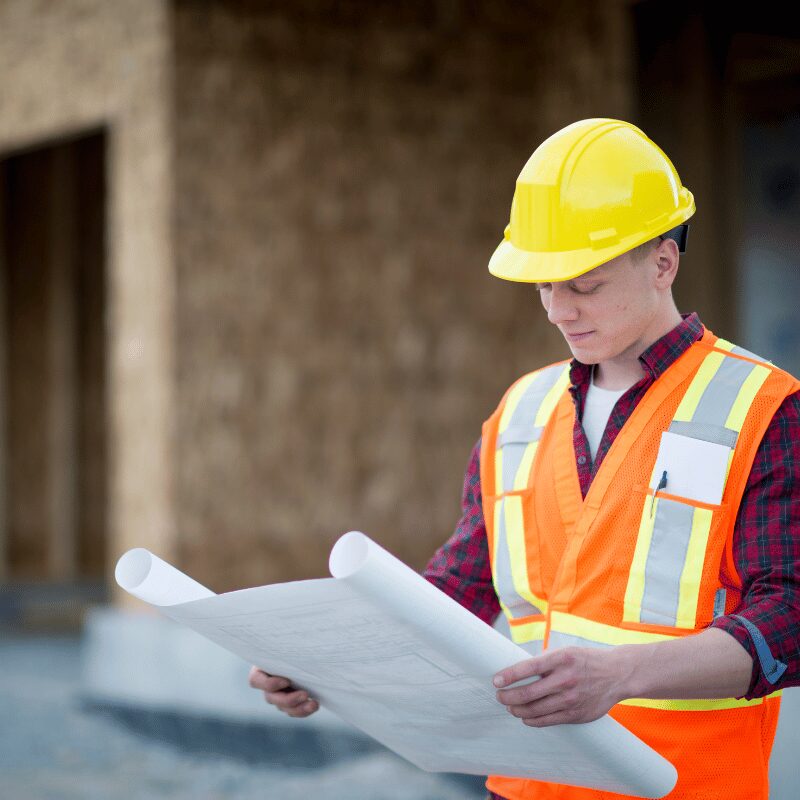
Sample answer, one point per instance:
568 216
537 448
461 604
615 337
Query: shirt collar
658 357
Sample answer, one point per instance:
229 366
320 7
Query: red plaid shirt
766 533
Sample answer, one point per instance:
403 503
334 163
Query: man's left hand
576 684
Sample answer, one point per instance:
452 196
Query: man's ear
667 258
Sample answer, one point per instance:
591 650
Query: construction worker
633 511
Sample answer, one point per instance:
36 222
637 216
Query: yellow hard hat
590 192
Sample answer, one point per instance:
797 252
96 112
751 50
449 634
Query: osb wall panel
76 65
344 171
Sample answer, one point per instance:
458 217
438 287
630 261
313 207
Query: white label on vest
695 469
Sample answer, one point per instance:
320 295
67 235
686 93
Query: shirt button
581 460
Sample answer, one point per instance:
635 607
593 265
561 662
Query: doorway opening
53 398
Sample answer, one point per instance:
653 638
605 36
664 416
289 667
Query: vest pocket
675 569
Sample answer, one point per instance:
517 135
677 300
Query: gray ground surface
52 747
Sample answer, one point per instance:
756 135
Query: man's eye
587 290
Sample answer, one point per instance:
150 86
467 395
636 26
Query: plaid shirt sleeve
460 567
767 553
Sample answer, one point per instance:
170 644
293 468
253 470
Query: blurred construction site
244 307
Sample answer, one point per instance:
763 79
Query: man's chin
586 355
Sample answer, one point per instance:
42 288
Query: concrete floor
55 747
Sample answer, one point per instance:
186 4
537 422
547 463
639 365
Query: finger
538 665
522 669
269 683
304 710
255 676
531 692
286 700
559 718
552 704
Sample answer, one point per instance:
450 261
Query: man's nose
561 307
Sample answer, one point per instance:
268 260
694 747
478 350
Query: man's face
604 312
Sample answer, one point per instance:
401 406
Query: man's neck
624 370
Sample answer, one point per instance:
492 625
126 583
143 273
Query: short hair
639 252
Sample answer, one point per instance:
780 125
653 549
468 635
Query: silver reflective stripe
558 639
716 434
672 529
520 425
512 458
512 436
719 602
740 351
721 393
517 606
533 647
521 428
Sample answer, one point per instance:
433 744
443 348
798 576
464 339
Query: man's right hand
280 693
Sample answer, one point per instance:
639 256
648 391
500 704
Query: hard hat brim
512 264
524 266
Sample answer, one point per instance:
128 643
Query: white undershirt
596 411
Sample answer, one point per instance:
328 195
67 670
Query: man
649 569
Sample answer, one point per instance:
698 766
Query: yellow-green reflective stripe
600 632
723 344
721 393
528 632
688 405
634 592
519 431
689 590
753 382
515 539
666 558
529 405
524 470
692 705
503 574
552 397
682 611
512 601
741 407
514 396
728 467
498 510
542 416
498 472
695 705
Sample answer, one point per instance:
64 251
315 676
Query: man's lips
576 337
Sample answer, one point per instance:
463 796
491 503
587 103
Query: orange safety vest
630 563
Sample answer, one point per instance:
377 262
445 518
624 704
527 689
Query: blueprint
385 650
